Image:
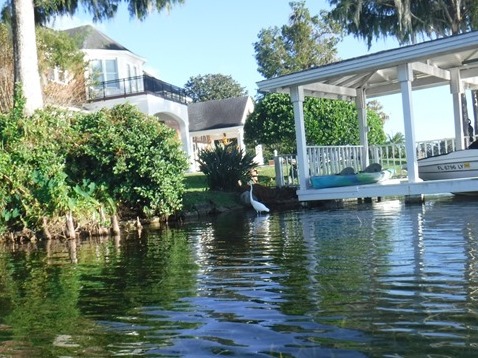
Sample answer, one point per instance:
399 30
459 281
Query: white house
116 75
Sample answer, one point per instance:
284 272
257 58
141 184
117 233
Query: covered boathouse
450 61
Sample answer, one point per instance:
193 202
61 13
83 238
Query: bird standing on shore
258 206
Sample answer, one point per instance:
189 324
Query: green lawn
197 191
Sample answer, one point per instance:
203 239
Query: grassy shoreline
197 192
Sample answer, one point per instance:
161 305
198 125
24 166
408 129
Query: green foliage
135 157
327 122
100 10
225 166
307 41
271 124
213 87
55 162
58 49
34 184
404 20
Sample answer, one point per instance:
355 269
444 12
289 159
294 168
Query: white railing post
278 170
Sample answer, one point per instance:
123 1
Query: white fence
325 160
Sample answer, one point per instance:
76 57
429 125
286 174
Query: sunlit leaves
213 87
305 42
327 122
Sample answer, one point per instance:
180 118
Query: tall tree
25 55
213 86
306 41
24 39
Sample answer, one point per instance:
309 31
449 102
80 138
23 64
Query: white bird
258 206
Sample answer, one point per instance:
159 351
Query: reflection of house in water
217 121
116 75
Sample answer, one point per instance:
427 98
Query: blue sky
216 36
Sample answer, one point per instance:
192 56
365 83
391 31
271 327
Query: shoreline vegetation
67 175
199 201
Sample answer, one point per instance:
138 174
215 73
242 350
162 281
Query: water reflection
377 279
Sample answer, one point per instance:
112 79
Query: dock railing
326 160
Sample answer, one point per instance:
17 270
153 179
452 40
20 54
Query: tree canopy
306 41
100 10
406 20
327 122
212 87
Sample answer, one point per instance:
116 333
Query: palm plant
226 166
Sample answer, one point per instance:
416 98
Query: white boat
453 165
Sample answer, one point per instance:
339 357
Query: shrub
32 157
56 162
135 157
225 166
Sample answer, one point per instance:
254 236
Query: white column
240 139
405 76
363 126
297 97
456 89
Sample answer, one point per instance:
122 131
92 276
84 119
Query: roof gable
218 114
93 39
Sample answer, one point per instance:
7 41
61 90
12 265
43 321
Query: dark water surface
371 280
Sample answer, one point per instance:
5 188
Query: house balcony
138 85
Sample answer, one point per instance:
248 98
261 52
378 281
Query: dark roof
217 114
92 39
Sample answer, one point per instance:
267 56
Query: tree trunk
70 227
25 54
115 229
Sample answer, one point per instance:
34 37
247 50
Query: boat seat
347 171
373 168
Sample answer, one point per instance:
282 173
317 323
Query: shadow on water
377 279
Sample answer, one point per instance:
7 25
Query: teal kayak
362 178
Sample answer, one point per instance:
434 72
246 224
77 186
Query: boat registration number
448 167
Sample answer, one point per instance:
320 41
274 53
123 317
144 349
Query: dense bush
225 166
56 162
135 157
34 184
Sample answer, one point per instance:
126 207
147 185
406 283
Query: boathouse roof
431 62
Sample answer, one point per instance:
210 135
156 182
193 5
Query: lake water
369 280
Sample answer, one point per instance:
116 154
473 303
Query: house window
57 75
132 78
105 71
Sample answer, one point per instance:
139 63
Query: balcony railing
133 86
